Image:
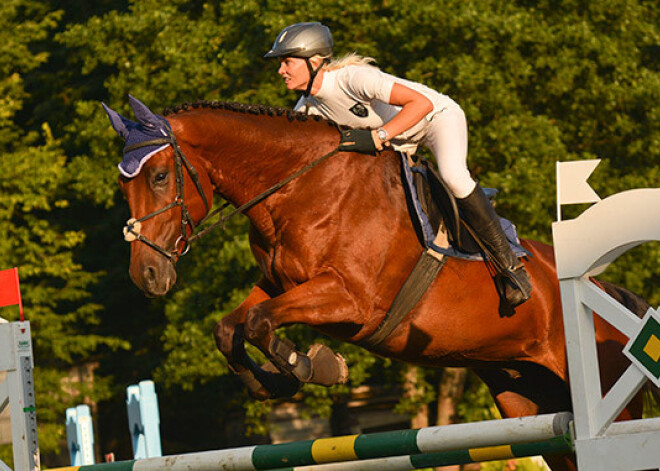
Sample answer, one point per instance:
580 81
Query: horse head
166 201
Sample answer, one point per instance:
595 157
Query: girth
427 267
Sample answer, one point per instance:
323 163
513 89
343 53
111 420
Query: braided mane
247 108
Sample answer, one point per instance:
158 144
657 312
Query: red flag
10 290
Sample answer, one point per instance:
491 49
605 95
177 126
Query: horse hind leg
611 344
522 389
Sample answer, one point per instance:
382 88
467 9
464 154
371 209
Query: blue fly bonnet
149 126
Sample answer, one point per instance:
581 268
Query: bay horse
334 246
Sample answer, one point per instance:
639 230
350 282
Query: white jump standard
17 393
584 247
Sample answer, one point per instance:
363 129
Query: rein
257 199
133 226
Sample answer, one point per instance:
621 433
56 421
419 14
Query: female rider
388 110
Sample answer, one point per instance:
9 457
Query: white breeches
447 138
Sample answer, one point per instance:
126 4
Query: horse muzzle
155 276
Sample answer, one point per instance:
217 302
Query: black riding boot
512 281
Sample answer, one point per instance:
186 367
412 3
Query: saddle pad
428 233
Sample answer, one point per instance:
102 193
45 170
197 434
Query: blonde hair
352 58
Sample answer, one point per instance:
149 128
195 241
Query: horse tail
636 304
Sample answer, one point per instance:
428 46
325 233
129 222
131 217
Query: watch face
382 135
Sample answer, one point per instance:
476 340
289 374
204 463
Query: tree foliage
35 234
540 81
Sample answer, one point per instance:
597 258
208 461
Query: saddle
433 209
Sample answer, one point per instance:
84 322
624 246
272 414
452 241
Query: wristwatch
382 134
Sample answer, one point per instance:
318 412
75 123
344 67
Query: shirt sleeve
366 83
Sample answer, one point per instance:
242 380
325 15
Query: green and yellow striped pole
472 441
430 460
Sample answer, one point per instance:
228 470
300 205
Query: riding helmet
302 40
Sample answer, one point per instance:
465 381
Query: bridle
133 225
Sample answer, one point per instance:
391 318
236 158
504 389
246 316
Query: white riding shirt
358 96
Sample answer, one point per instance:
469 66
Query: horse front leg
262 382
321 301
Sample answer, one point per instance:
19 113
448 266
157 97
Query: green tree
33 203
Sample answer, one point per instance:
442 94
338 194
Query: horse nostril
156 280
149 275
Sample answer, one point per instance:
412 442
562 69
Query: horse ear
143 114
119 123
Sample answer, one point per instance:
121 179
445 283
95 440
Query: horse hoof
328 367
343 377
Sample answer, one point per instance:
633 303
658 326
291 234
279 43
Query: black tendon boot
512 281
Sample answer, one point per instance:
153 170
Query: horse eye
160 177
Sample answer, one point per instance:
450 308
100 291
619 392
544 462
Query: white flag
572 186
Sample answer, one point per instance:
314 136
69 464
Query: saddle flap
439 208
443 201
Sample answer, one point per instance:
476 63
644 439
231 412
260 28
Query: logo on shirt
359 110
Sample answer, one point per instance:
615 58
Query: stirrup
513 285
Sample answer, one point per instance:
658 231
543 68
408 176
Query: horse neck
247 154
